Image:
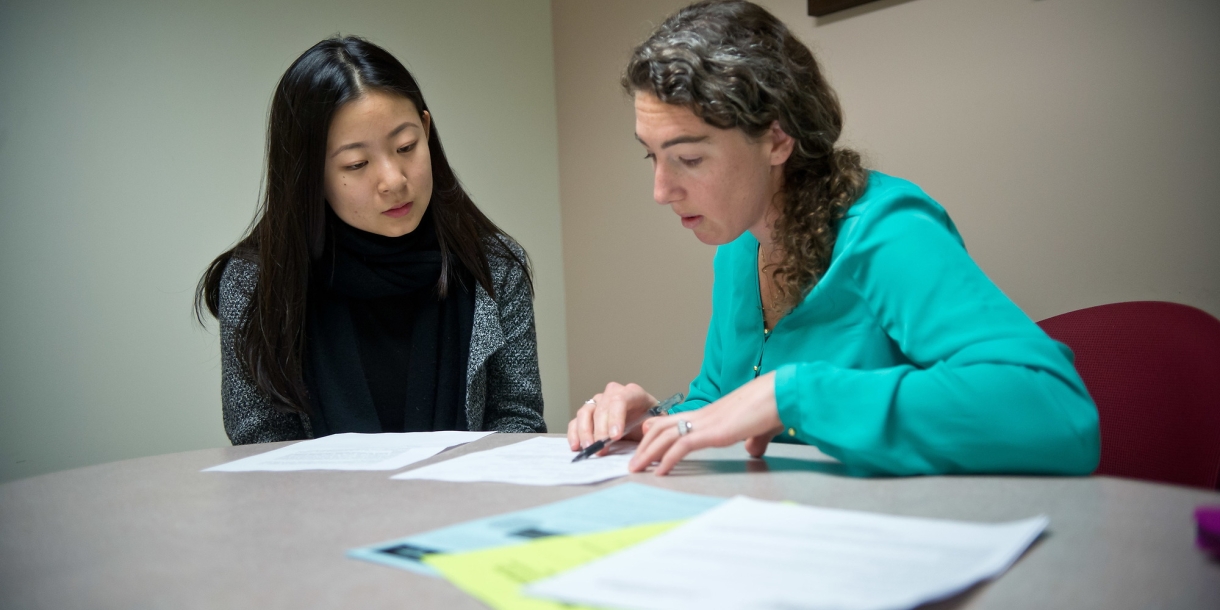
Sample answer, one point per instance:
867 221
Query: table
157 533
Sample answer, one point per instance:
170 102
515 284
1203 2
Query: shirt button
755 369
791 431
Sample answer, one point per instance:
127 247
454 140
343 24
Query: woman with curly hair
846 313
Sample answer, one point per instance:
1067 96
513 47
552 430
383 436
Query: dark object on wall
1153 369
822 8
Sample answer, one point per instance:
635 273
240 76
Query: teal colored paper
619 506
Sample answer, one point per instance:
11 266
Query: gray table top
157 533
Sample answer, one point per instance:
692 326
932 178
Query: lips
691 222
399 211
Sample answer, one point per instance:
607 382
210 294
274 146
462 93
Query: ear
781 144
426 117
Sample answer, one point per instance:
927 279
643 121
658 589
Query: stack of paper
537 461
748 553
620 506
496 576
353 451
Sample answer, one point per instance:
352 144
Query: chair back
1153 368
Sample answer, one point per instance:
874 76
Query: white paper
353 451
749 553
537 461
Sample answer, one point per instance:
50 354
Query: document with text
537 461
615 507
353 451
749 553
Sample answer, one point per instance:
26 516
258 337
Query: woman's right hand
607 415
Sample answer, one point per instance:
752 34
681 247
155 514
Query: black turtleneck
383 349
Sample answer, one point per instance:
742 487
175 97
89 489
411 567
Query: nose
393 178
665 190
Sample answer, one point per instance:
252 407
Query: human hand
748 413
608 414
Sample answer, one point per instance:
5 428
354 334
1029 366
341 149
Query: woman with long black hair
370 294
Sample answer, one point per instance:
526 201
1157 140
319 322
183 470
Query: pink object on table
1208 518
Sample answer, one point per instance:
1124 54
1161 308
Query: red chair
1153 369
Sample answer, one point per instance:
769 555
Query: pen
661 408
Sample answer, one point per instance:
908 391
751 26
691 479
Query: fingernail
613 430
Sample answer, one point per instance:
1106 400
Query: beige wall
638 284
1075 143
131 145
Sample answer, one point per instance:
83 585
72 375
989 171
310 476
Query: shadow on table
961 600
752 465
964 598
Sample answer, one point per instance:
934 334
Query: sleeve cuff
787 402
689 405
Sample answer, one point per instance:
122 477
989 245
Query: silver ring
590 402
684 427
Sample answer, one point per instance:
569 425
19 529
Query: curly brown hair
735 65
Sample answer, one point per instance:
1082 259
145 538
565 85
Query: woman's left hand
748 413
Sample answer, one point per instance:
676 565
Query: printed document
537 461
615 507
749 553
353 451
495 576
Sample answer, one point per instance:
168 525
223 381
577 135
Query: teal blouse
904 358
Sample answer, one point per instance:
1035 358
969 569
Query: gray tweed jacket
503 389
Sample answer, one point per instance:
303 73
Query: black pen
661 408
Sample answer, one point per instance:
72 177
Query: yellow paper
496 576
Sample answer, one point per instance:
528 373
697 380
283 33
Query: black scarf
383 352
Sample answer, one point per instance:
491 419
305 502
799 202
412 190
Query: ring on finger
684 427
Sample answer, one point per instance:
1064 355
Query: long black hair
289 230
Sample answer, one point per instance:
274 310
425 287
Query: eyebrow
394 132
676 141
